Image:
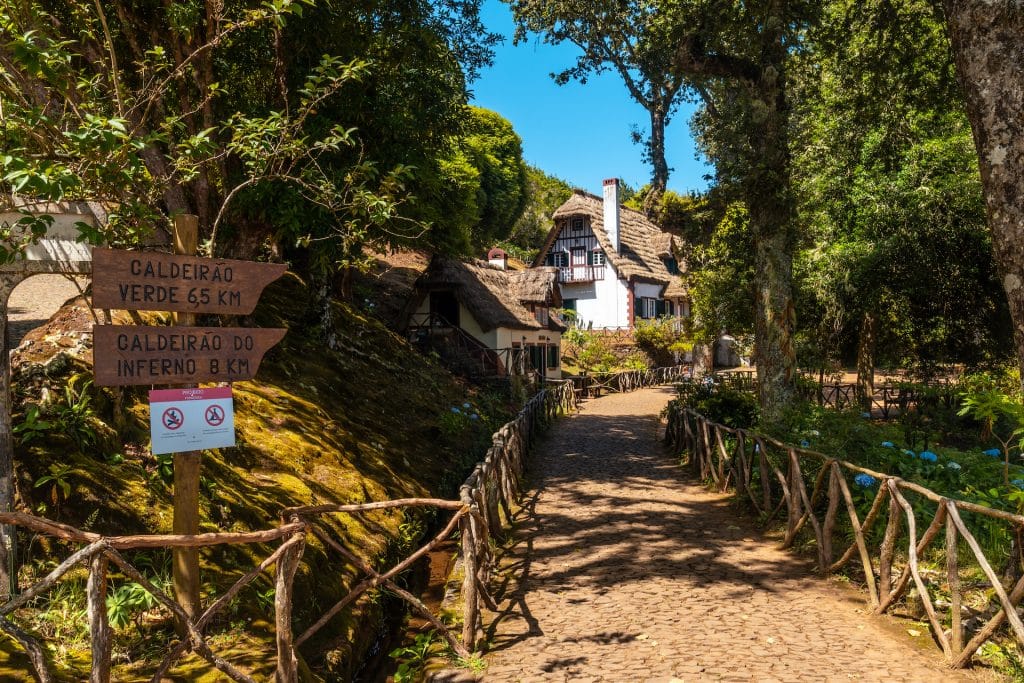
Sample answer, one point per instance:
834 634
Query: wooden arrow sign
153 281
136 354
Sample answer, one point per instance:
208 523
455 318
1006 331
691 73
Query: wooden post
8 575
186 465
284 584
99 627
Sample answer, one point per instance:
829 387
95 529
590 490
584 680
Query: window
541 313
597 258
648 307
569 304
578 224
553 356
559 259
672 265
536 356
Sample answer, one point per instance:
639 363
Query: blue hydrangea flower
466 406
805 443
864 480
907 451
1019 483
929 456
888 444
867 415
993 453
474 416
953 466
455 409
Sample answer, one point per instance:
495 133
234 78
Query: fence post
99 627
470 610
287 565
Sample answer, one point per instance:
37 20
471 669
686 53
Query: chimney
498 258
611 211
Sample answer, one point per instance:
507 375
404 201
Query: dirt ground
36 299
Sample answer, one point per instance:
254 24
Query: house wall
467 323
600 304
506 337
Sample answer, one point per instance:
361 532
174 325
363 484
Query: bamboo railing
774 477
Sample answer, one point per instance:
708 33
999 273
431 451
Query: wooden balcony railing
581 274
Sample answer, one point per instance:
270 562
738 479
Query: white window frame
598 259
560 259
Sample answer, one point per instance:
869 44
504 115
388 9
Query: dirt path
624 570
35 300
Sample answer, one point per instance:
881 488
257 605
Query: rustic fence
493 484
593 385
887 400
774 477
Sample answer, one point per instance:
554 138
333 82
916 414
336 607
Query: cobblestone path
625 570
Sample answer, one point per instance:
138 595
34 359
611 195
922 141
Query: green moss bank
372 420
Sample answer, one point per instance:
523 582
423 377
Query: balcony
580 274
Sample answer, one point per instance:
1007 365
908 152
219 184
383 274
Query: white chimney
611 211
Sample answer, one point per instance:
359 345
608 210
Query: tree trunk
770 204
656 153
988 47
866 360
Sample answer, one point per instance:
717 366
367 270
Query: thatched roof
643 244
495 297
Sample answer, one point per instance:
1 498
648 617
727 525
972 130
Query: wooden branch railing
484 508
813 487
593 385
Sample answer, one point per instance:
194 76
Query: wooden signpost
135 354
149 281
180 355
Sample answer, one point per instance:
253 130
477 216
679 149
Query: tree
544 194
896 254
988 47
735 56
633 39
496 151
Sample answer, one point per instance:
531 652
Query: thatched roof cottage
614 265
504 311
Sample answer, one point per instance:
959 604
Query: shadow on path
620 565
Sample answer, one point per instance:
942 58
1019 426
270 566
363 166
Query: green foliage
32 425
722 404
126 604
593 352
59 482
544 194
1001 417
412 658
886 174
297 124
663 339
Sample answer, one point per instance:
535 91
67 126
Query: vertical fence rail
890 552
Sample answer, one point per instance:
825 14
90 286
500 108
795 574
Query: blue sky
580 133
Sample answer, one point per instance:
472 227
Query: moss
316 426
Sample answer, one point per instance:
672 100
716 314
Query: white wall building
614 265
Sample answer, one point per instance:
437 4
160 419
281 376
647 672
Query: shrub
662 339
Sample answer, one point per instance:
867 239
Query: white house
493 316
614 265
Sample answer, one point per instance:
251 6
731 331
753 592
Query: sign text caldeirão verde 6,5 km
152 281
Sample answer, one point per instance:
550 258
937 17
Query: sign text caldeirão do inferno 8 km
135 354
